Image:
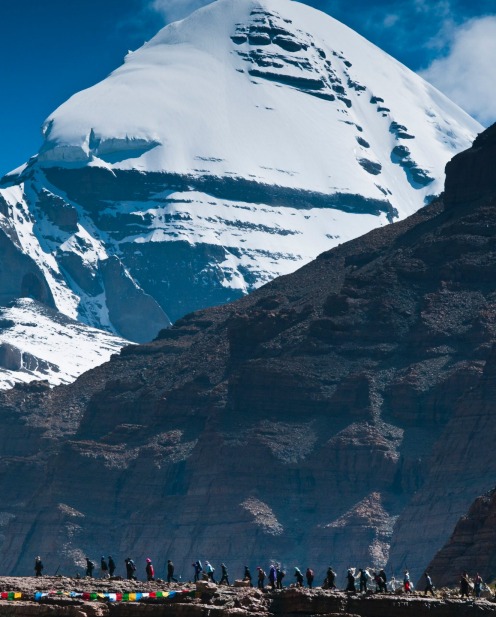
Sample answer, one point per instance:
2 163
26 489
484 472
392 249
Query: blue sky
50 49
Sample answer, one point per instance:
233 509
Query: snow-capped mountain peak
235 146
270 91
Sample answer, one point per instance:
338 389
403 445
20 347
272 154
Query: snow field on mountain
265 240
61 349
186 103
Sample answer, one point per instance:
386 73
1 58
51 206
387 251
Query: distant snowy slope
233 147
37 342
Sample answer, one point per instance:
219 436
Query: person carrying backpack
130 568
90 566
280 574
103 568
209 569
299 577
198 570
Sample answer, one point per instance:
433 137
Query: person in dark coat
170 572
383 577
310 576
261 578
198 570
350 586
111 565
103 567
150 570
280 574
477 585
38 566
464 585
225 576
429 587
363 580
330 580
247 575
130 568
90 566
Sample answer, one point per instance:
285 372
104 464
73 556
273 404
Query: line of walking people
108 568
355 581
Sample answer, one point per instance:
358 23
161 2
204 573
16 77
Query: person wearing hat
209 569
150 572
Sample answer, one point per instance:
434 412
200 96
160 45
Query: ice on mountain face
39 343
233 147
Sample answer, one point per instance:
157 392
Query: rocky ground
215 601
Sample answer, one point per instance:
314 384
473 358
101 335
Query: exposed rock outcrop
213 601
470 547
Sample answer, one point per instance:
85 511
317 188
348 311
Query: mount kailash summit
233 147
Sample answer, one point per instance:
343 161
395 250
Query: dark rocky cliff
296 424
471 545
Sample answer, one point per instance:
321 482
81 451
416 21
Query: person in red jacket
150 572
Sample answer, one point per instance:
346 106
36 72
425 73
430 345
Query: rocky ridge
216 601
322 417
470 545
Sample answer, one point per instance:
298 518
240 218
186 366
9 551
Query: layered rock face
296 424
461 452
470 547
